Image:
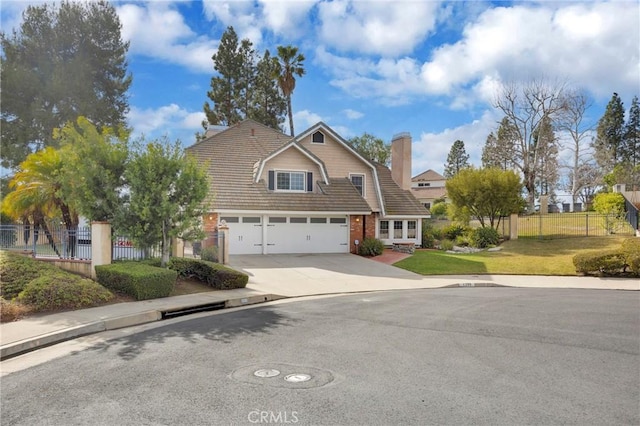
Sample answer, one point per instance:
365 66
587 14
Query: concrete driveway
311 274
293 275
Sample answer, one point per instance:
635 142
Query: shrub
11 310
631 251
215 275
210 254
371 247
446 245
606 262
463 240
16 271
137 280
485 237
454 230
63 291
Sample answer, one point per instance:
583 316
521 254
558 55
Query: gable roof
294 144
230 158
429 175
397 201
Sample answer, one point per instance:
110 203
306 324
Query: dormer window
317 137
292 181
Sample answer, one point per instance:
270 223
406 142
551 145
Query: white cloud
304 119
376 27
286 16
352 114
432 149
170 120
586 43
157 30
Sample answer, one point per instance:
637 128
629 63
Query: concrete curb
20 347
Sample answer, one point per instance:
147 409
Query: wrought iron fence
123 248
565 225
633 215
49 241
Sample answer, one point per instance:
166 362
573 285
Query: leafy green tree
457 159
610 135
371 147
64 61
612 205
95 163
166 191
485 194
290 64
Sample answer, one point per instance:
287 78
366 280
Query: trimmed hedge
137 279
63 291
215 275
607 262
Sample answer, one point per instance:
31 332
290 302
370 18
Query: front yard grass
517 257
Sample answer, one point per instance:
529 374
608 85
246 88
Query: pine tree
610 135
63 62
631 142
243 87
457 160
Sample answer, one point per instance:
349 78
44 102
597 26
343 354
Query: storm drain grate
193 310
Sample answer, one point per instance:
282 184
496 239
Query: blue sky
426 67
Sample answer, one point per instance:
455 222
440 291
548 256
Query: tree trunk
289 112
165 246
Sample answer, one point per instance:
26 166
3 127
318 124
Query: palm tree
290 64
36 193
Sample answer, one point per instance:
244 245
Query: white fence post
100 245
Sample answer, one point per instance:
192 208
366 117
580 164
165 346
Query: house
312 193
428 186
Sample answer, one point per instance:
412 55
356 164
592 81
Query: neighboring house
309 194
428 186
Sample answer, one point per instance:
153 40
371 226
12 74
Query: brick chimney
401 160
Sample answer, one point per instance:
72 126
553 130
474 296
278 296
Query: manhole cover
297 378
282 375
266 372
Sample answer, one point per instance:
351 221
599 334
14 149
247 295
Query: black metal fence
49 241
565 225
633 217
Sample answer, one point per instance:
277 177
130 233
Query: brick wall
360 228
210 222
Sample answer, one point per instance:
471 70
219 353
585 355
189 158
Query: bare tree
582 170
524 107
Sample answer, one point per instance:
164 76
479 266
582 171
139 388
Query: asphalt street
444 356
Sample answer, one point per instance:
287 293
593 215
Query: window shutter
272 180
309 182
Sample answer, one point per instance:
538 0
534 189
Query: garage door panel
312 235
245 236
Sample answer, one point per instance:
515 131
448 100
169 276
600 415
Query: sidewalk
272 277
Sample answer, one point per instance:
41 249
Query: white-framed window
384 229
317 137
427 205
412 227
357 179
290 181
397 229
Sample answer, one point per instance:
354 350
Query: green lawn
520 257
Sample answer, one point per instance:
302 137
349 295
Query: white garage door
297 234
245 234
